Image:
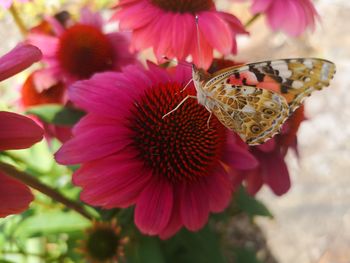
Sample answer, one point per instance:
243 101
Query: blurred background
312 221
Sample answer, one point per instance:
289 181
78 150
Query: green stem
252 20
37 185
18 20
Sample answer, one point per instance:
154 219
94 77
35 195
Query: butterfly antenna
198 41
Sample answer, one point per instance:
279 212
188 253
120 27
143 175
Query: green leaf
5 261
187 247
56 114
145 250
244 255
250 205
52 222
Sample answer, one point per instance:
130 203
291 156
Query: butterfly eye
255 129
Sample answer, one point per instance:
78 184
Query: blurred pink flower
42 88
174 169
17 132
7 3
82 49
272 169
169 27
290 16
18 59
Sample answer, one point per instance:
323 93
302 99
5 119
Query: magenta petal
219 189
175 223
15 197
18 59
18 132
154 207
92 144
254 181
101 99
275 173
237 155
194 205
114 181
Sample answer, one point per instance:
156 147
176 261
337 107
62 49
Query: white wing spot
325 72
308 63
248 109
282 68
297 84
248 90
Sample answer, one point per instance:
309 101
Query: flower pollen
184 6
85 50
179 146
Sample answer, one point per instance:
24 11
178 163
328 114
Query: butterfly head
199 77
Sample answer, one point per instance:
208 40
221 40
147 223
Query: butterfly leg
208 121
188 83
179 105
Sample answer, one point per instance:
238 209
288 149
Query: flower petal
18 59
154 207
194 205
18 132
15 197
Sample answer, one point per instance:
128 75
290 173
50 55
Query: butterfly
254 100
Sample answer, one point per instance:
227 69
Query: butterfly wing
294 79
255 114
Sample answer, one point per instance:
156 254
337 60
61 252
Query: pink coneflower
170 28
175 169
7 3
290 16
42 88
17 132
272 169
82 49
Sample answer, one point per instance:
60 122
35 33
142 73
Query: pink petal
115 181
194 205
219 190
6 3
175 223
88 17
267 146
97 142
275 173
136 16
217 31
101 99
18 59
237 155
201 51
47 44
154 207
254 181
15 197
18 132
121 44
260 6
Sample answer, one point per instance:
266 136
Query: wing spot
255 129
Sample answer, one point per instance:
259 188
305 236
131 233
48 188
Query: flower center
85 50
184 6
102 244
31 97
179 146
